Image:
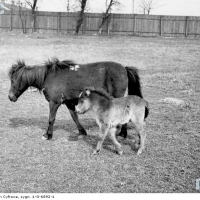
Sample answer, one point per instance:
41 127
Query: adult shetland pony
62 82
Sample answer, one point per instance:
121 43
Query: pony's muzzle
78 111
12 97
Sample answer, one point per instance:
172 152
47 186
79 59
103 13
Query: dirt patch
176 102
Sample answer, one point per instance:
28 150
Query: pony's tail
146 113
134 87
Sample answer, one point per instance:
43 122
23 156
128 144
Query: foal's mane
39 72
100 92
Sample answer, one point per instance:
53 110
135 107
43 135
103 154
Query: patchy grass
170 163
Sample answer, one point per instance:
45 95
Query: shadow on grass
28 122
69 126
42 123
91 140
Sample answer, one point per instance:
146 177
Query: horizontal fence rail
127 24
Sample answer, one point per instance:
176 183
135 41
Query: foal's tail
134 87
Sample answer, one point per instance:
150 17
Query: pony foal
111 113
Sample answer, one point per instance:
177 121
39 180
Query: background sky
163 7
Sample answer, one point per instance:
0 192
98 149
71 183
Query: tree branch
107 14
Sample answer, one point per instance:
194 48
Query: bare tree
81 15
75 5
67 4
23 14
79 6
147 6
106 15
33 5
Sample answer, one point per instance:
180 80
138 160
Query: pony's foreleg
52 115
112 133
74 116
101 137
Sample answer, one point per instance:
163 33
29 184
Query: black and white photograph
99 97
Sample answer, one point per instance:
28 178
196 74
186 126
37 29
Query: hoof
139 152
95 152
46 137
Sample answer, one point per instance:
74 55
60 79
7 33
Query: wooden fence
127 24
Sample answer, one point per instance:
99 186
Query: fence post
11 13
161 26
108 24
186 26
59 22
67 19
135 24
34 20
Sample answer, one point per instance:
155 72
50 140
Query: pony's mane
38 72
54 64
16 68
101 92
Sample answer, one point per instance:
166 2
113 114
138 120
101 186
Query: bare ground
168 68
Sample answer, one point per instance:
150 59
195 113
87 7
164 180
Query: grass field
168 68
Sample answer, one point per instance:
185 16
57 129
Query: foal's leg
142 135
101 137
74 116
52 115
112 133
118 93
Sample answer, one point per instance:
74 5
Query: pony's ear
87 92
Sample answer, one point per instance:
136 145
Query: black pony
62 82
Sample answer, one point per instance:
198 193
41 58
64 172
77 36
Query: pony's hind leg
112 133
52 115
101 137
123 131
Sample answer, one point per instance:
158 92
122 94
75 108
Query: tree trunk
105 17
33 21
80 17
22 17
33 9
33 15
